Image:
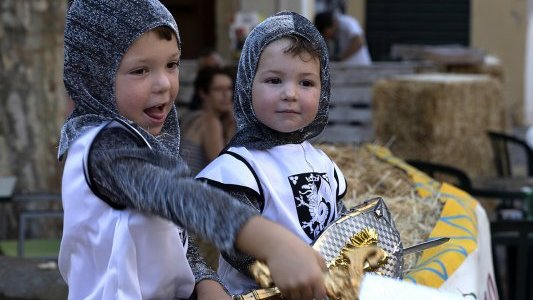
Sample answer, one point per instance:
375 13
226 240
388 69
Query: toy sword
425 245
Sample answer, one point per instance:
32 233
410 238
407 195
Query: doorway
417 22
196 23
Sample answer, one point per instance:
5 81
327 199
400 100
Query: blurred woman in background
209 125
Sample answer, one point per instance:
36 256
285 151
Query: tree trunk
32 96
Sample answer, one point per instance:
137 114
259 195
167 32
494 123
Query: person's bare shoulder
194 127
211 121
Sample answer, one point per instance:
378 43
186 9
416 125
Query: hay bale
440 117
368 176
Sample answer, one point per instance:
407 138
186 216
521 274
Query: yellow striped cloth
457 220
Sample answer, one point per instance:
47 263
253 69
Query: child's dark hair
324 20
164 32
203 82
300 46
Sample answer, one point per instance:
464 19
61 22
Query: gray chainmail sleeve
239 260
199 267
151 181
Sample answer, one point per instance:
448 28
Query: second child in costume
282 98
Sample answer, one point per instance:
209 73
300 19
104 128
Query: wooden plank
351 95
344 134
380 66
350 115
342 74
364 76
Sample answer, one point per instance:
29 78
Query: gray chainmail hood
251 132
97 35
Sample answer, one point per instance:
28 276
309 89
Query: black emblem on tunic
314 212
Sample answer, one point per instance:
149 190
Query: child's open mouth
157 113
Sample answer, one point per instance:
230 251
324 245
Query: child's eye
173 65
140 71
308 83
273 80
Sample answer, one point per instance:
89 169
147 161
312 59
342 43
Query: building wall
357 9
224 12
499 27
32 96
528 79
267 8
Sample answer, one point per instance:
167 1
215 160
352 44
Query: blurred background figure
209 124
207 128
344 36
210 58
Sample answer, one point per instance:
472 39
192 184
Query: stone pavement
30 279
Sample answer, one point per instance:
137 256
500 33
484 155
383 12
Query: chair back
444 173
512 249
502 147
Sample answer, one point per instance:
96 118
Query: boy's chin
294 130
286 132
154 131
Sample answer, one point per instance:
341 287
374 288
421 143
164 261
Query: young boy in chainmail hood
127 196
282 97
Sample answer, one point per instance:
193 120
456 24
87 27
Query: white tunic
116 254
300 186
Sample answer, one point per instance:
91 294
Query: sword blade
425 245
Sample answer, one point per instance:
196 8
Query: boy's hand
296 268
210 290
298 271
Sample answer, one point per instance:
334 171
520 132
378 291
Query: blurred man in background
344 36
